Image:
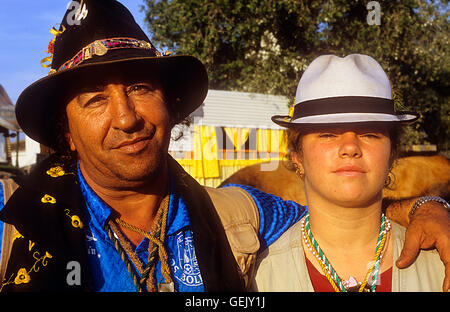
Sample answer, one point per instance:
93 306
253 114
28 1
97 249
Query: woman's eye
371 135
326 135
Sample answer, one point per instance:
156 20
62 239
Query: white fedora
342 90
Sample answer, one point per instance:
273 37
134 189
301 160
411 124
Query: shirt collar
97 208
177 215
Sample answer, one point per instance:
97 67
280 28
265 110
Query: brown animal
412 176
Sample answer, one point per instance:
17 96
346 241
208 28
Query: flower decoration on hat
51 46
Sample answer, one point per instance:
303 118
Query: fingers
442 244
410 249
446 286
443 247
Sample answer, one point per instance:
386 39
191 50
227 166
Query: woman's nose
350 145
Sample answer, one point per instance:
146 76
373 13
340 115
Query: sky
24 36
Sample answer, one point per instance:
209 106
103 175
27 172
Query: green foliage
265 45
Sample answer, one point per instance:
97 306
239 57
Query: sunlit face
120 131
345 165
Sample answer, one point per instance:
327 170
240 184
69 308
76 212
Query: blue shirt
110 272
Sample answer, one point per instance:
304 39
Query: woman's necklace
370 282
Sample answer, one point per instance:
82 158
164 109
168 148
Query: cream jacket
282 266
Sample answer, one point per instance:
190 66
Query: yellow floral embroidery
55 172
76 222
44 258
17 235
22 277
48 199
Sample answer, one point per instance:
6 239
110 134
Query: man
111 211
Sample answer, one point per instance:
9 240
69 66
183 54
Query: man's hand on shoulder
429 227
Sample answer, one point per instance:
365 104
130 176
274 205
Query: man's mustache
119 138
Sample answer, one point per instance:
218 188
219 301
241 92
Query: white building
229 131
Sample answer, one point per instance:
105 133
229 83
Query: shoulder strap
9 186
240 219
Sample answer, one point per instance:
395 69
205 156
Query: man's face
120 131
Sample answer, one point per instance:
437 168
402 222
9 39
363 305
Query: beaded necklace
332 276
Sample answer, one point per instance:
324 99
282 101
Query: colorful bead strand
328 269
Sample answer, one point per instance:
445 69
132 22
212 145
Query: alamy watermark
77 12
73 278
374 14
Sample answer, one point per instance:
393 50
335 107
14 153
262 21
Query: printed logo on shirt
91 248
184 266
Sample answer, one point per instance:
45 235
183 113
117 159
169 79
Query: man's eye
95 100
139 89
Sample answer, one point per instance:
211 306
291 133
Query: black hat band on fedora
101 47
344 104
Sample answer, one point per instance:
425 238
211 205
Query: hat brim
403 118
183 77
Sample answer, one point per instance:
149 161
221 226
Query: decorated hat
344 90
96 38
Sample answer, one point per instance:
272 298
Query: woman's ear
298 164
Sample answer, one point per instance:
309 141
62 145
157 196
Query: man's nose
123 110
350 145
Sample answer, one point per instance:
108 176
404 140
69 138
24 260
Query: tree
265 45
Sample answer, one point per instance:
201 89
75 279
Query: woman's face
345 165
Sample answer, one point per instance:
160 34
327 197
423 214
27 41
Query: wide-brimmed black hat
96 38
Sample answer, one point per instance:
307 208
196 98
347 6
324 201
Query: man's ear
70 142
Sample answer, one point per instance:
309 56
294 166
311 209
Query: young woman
344 137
